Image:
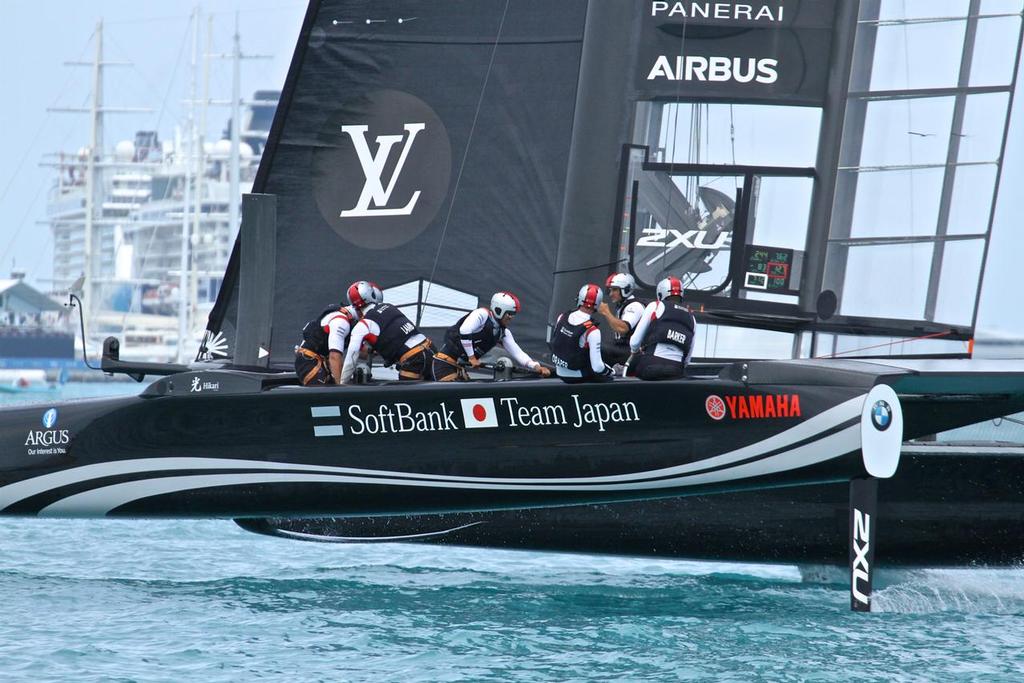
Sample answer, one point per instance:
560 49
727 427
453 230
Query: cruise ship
136 241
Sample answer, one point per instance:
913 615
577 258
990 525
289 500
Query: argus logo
48 436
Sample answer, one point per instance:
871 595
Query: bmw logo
50 418
881 415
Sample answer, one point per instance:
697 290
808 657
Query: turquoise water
116 600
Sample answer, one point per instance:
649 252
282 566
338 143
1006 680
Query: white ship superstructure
152 200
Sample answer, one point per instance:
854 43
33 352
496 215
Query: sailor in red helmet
387 331
478 332
663 340
628 311
318 357
576 341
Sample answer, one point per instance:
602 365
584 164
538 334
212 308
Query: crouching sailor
576 341
318 358
386 330
663 340
628 311
478 332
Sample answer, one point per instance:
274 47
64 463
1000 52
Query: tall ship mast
126 217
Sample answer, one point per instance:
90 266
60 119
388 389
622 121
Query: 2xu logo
661 238
860 570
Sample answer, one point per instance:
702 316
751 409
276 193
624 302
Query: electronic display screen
768 269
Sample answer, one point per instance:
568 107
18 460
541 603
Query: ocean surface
122 600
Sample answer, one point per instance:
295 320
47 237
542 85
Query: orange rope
902 341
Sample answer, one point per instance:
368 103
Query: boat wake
924 591
987 591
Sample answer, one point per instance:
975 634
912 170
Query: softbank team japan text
508 412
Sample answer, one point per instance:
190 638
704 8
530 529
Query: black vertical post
601 126
258 254
863 532
829 145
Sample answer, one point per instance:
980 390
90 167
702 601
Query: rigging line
910 139
889 343
45 251
462 164
159 118
251 8
46 119
119 50
672 159
675 137
174 75
732 142
142 267
32 204
591 267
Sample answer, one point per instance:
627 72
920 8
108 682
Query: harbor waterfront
146 600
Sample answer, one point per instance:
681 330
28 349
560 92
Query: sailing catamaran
533 147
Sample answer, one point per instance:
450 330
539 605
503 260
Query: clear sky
38 37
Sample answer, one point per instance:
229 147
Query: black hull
238 444
945 507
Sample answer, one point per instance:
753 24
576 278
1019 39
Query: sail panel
424 142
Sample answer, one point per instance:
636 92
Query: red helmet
590 295
670 286
364 293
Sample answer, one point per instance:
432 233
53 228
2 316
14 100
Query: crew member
478 332
663 340
318 358
576 341
386 330
628 310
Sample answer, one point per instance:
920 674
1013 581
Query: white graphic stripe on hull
101 501
12 493
302 535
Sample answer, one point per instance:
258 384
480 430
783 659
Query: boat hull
947 506
203 444
234 444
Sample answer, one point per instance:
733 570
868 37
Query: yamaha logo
881 415
715 407
382 169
